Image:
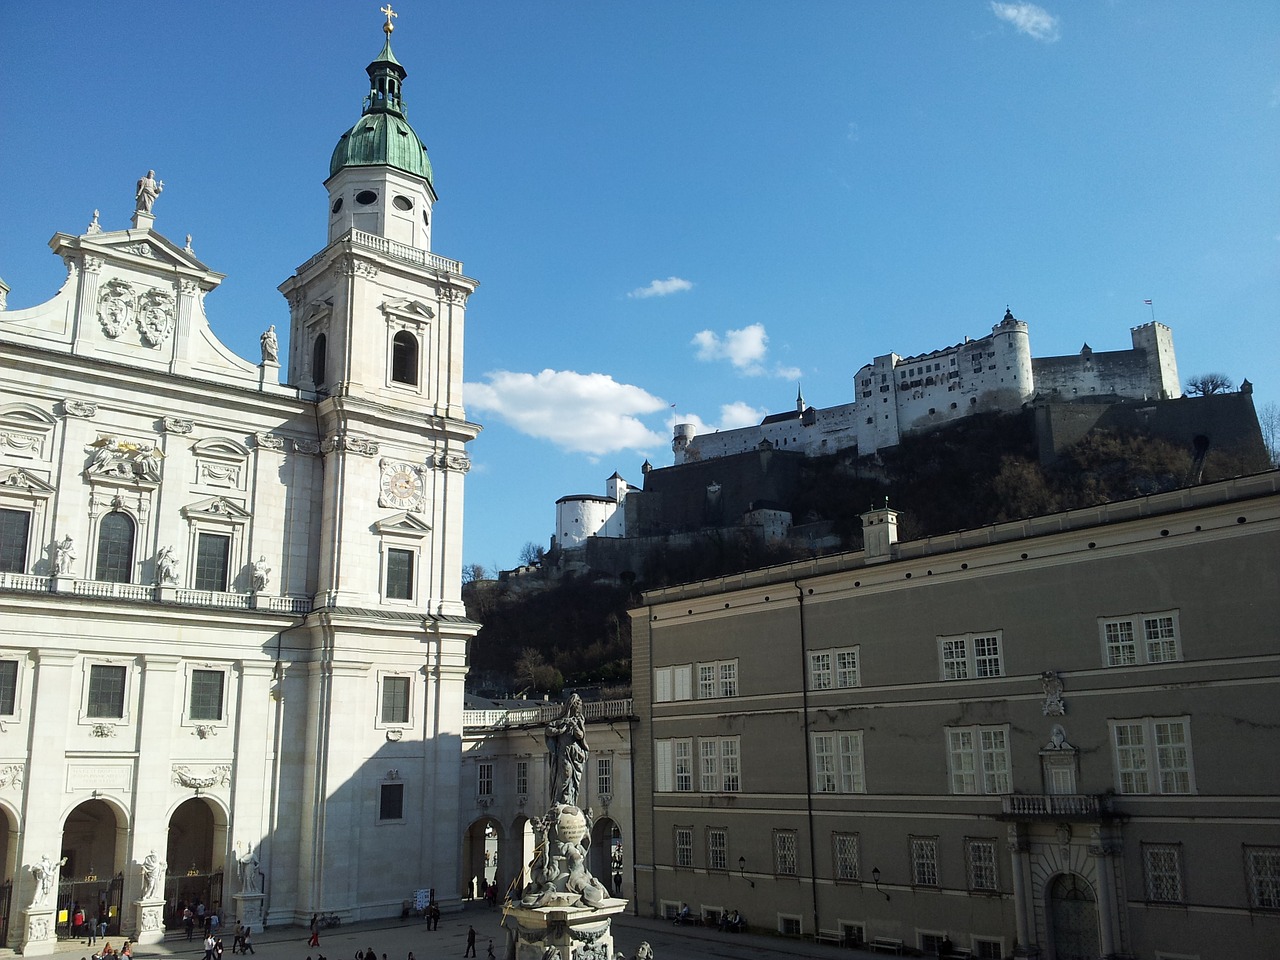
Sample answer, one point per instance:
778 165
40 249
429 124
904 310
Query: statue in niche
166 566
270 346
64 555
153 871
148 189
567 752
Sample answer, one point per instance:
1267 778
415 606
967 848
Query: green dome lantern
382 136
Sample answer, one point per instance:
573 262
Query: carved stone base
579 932
250 909
150 914
38 933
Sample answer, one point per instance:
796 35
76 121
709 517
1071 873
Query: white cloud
746 349
1036 22
661 288
587 413
732 416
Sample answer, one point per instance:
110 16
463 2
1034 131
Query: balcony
543 713
1048 806
146 593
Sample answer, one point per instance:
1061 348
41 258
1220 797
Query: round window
403 203
366 197
337 205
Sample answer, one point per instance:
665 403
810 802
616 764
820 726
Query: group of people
731 921
108 952
242 942
196 914
91 928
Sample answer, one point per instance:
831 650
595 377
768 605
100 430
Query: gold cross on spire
388 26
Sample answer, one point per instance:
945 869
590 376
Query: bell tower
376 335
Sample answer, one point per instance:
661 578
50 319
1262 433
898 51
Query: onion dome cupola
380 175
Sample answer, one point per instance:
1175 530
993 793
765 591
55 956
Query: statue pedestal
150 914
39 937
578 932
249 909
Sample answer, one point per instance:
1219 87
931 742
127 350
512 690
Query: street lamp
742 871
875 876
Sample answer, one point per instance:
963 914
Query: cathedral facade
232 642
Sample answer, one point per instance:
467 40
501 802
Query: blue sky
687 203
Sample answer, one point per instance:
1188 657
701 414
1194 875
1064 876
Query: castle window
366 197
206 694
213 552
106 691
1145 638
115 548
970 656
8 688
391 801
979 760
395 700
1153 755
399 574
402 203
404 358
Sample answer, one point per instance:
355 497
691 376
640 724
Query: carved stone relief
268 441
115 306
219 776
79 408
306 446
1051 684
458 462
93 264
347 443
118 459
178 425
155 316
12 776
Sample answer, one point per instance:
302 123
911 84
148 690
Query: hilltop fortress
893 397
897 396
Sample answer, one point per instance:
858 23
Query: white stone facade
231 627
896 396
583 515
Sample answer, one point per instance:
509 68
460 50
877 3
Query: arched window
404 358
115 548
318 360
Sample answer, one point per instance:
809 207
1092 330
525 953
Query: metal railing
545 712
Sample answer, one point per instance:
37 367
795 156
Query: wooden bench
834 937
885 945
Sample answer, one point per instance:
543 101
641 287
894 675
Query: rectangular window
1153 755
106 691
662 685
399 574
684 765
829 669
717 848
213 552
682 681
8 688
1162 866
391 801
15 532
663 782
1141 638
719 679
784 853
604 776
979 758
719 764
684 846
206 694
970 656
988 949
484 779
924 861
522 777
982 864
837 763
1262 864
844 855
395 699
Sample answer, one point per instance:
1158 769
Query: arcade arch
480 850
1072 910
196 853
95 838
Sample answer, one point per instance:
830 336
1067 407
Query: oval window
403 203
426 219
337 205
366 197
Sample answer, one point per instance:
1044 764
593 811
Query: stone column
1101 851
251 787
87 294
1020 870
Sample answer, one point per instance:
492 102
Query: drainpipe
808 760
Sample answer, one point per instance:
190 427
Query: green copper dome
382 136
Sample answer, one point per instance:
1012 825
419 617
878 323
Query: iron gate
99 899
189 889
6 899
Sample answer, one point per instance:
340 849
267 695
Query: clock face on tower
402 486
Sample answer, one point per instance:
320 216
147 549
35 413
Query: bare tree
1208 384
531 554
1269 421
471 572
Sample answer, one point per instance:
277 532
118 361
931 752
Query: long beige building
1052 737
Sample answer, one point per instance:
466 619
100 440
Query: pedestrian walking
189 921
490 955
435 916
246 944
208 946
315 932
92 930
471 942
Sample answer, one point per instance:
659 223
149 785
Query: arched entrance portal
1073 918
480 858
525 843
606 854
9 864
93 843
196 854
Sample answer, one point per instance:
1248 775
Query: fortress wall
1125 373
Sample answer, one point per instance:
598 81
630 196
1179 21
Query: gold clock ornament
402 486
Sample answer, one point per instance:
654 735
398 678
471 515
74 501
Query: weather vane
389 26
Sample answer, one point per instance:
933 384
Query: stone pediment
143 249
402 525
414 309
216 508
17 478
222 447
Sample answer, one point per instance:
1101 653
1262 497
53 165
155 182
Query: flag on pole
1147 302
